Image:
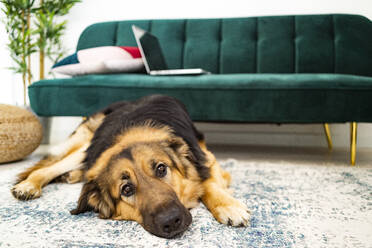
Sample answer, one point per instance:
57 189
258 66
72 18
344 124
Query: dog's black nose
171 224
170 221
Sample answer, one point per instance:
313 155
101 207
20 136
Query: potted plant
17 25
34 27
49 30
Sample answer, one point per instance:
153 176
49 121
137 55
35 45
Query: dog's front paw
26 190
234 214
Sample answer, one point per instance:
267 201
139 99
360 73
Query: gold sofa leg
353 139
328 136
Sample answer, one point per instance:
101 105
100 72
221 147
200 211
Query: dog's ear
193 154
179 146
91 198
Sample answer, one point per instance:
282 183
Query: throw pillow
98 60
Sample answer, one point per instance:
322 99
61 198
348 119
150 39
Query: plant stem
23 57
28 47
24 87
41 61
41 53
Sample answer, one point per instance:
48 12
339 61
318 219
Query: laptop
153 58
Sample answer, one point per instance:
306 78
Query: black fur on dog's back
163 110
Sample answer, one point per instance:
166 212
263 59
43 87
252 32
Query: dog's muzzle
168 221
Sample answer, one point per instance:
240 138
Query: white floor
299 155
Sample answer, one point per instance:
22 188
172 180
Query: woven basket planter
20 133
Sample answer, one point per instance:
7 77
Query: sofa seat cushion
273 98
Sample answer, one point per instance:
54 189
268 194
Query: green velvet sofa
275 69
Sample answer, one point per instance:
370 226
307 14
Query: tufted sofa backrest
275 44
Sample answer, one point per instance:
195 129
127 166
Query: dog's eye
128 190
125 176
161 170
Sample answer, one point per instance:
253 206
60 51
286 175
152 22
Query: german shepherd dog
143 161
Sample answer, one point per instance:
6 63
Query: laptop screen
151 49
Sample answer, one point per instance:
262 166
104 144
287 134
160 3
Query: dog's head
148 176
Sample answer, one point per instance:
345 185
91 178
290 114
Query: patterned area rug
292 206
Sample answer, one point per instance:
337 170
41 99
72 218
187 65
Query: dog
140 160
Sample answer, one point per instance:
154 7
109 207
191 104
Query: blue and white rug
292 206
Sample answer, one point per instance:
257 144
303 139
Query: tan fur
45 162
75 176
187 189
127 212
94 122
141 176
66 156
145 133
31 187
189 192
82 135
217 197
148 143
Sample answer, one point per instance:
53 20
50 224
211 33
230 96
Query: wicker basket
20 133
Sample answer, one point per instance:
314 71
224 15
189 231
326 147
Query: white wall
6 80
91 11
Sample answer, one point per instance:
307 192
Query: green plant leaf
45 31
